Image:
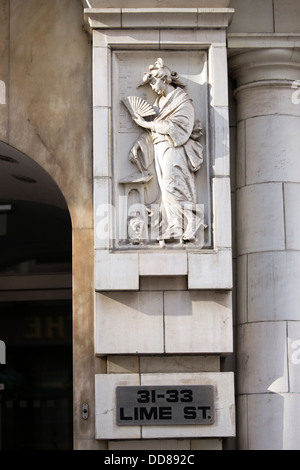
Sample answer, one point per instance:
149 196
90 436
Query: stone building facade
128 310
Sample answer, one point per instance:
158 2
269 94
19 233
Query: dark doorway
35 308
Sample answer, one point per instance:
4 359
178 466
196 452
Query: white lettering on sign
2 352
165 405
2 92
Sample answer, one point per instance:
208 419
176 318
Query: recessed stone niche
127 192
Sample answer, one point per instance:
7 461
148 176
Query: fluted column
268 247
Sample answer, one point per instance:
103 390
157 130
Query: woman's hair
160 70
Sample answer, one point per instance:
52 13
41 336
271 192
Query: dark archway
35 308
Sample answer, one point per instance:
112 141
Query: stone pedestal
267 224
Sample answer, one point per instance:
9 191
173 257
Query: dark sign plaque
165 405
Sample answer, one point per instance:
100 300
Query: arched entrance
35 308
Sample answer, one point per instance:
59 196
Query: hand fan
137 105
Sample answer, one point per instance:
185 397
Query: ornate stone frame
192 29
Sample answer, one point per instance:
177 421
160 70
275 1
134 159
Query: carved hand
141 122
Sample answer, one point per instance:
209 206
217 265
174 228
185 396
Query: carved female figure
173 133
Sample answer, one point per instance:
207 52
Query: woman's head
160 74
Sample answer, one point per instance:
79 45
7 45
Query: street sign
165 405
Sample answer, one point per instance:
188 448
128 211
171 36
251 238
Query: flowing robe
177 157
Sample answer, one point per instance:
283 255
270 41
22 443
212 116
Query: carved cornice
155 3
238 42
158 18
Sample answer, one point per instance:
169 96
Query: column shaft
268 249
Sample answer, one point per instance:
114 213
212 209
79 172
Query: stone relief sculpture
170 140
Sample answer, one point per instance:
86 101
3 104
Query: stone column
268 246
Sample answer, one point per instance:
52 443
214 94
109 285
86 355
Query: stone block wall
162 316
